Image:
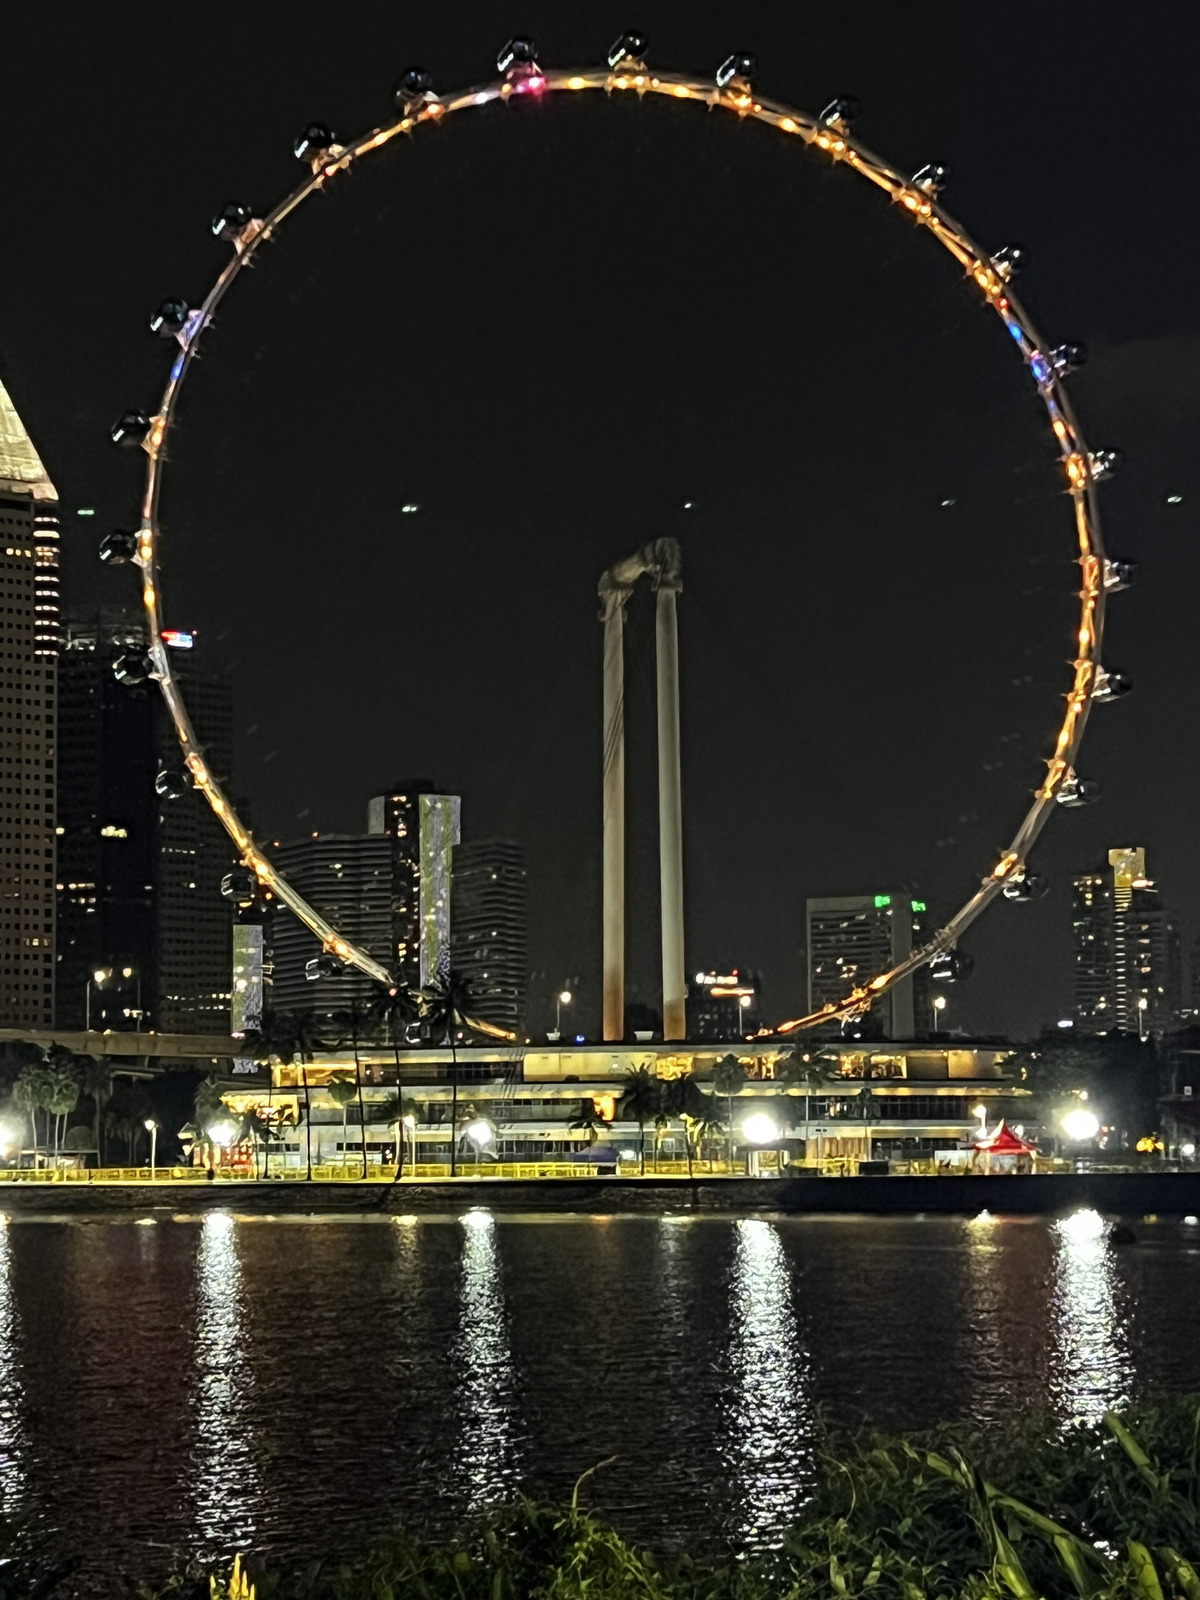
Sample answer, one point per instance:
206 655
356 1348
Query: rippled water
210 1382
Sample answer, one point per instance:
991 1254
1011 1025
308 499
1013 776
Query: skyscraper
348 879
397 816
489 929
29 658
139 882
1127 973
850 939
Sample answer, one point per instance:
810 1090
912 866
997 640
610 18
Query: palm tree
396 1113
444 1006
640 1102
62 1096
30 1094
706 1126
341 1092
96 1080
352 1021
685 1100
796 1070
288 1036
729 1077
394 1008
589 1121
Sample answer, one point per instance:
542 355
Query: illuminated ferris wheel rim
829 136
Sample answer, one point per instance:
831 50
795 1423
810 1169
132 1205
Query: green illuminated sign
918 905
882 900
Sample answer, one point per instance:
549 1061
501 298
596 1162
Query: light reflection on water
11 1474
487 1448
225 1484
302 1387
1094 1370
770 1414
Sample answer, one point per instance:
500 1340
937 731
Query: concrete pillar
614 814
670 810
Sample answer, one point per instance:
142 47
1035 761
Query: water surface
210 1382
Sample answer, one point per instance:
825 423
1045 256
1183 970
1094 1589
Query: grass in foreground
1023 1513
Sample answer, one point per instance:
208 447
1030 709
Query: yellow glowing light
788 125
148 596
681 91
576 83
622 83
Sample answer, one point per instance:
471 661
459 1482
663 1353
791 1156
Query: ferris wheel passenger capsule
1009 260
1065 358
240 886
314 143
414 90
1075 791
1029 886
1111 685
1104 463
172 783
736 73
118 547
170 318
1120 574
322 966
134 667
231 221
931 179
951 966
840 113
519 64
628 51
130 428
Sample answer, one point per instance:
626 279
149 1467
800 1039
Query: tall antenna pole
669 581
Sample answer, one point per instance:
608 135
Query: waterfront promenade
1120 1194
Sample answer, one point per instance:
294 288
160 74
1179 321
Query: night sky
563 329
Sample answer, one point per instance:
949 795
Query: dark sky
553 326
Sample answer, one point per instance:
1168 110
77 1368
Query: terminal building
911 1105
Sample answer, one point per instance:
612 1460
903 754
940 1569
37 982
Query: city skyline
924 809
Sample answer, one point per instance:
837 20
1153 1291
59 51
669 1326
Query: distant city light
949 502
687 505
1172 500
918 905
409 507
177 639
86 511
882 900
1065 1022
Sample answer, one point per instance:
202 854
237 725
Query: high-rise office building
397 816
724 1004
490 929
850 938
1127 973
348 879
139 881
29 659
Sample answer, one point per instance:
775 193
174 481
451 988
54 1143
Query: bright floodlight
409 1121
100 974
565 997
1188 1150
1080 1125
149 1124
222 1133
479 1132
759 1128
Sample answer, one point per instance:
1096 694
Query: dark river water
199 1384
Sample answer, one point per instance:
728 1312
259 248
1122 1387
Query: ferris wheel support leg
614 817
670 813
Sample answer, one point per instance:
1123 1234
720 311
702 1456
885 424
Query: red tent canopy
1004 1142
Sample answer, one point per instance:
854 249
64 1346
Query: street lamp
1142 1007
99 977
223 1133
480 1133
152 1130
939 1005
561 999
1080 1125
759 1128
980 1111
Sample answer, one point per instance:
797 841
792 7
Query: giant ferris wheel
827 137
